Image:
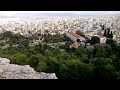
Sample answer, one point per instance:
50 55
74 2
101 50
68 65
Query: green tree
111 35
47 52
74 69
42 66
33 61
7 34
94 40
102 27
105 32
112 43
104 69
39 48
108 33
116 61
25 43
103 50
100 50
79 51
19 58
63 72
52 64
81 54
78 40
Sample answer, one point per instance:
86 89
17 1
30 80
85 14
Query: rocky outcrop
13 71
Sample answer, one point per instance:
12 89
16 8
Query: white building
103 39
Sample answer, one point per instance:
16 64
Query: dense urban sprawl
70 47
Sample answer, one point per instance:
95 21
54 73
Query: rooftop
74 34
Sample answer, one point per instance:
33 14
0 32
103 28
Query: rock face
13 71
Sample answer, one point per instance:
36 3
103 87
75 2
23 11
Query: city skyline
57 13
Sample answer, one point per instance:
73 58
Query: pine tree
102 27
108 33
111 35
105 32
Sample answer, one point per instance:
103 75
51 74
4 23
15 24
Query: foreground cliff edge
14 71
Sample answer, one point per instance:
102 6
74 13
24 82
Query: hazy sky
56 13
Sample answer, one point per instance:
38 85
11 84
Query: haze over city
57 13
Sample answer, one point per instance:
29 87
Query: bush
19 58
42 66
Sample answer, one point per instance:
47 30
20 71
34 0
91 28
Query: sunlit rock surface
13 71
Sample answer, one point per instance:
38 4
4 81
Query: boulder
14 71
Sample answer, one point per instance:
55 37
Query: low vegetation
101 62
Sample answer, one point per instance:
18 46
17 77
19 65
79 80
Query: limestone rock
13 71
4 61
